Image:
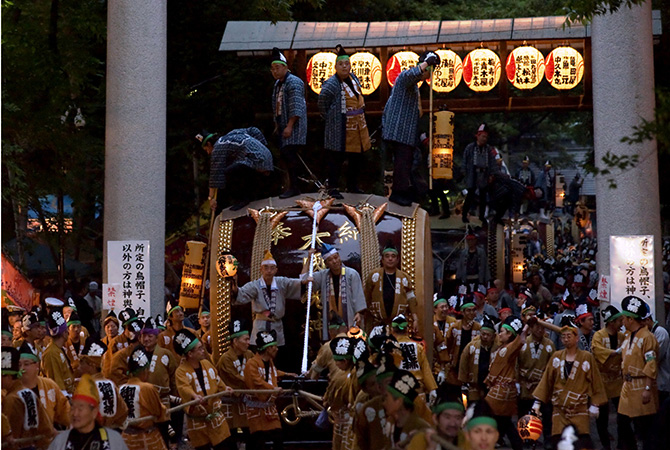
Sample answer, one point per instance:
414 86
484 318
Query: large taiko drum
358 226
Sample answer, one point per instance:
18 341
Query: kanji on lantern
525 67
368 69
448 75
564 68
399 62
319 68
481 70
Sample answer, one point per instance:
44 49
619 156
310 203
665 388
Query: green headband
615 316
74 322
630 314
401 325
7 333
468 305
397 394
204 313
481 420
342 357
278 61
270 345
337 325
439 301
365 376
238 334
190 346
204 141
17 373
455 406
340 58
389 249
30 356
509 328
384 375
487 328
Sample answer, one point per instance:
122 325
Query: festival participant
113 410
399 407
341 289
639 394
324 358
483 308
86 434
142 400
204 332
95 303
472 266
14 314
371 424
441 323
525 174
268 295
481 428
663 360
448 416
479 163
55 364
196 378
388 292
459 336
606 347
175 315
125 343
565 307
341 391
51 397
475 360
400 125
342 106
111 327
585 323
289 111
414 357
546 181
75 341
260 373
502 378
570 382
231 367
33 332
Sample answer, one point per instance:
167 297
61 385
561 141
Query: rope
369 244
262 243
315 208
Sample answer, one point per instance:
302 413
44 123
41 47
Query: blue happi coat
293 104
330 106
401 113
240 147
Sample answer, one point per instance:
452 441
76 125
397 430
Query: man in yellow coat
388 292
476 359
414 357
55 364
196 379
639 394
442 320
572 383
175 315
460 333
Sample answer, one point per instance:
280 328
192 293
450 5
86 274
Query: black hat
389 248
568 323
610 313
404 385
479 413
56 323
10 361
127 316
386 367
363 370
138 360
94 349
583 310
526 159
278 57
237 328
427 54
513 324
342 348
204 311
450 400
265 339
568 300
160 322
150 327
30 321
184 341
341 52
135 326
205 137
400 322
483 128
488 323
360 349
74 319
377 337
171 306
632 306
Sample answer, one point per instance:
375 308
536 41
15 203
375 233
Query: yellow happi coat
56 366
440 353
162 373
453 340
74 354
118 343
261 411
372 427
118 368
324 359
54 401
502 396
570 395
639 358
143 400
339 397
27 416
608 361
231 371
113 410
533 361
206 424
404 298
415 361
357 138
468 369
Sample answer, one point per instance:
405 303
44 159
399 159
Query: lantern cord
315 209
430 131
205 273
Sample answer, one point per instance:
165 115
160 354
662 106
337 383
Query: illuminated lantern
443 145
319 68
564 68
226 265
368 69
399 62
525 67
481 70
449 73
357 333
529 427
192 274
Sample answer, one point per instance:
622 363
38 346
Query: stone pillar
134 205
623 94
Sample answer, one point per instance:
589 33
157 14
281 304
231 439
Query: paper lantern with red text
525 67
319 68
564 68
481 70
399 62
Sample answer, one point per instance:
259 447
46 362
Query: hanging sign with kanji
128 266
632 269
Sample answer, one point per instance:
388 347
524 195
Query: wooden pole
209 252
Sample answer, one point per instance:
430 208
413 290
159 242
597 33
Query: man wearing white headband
267 296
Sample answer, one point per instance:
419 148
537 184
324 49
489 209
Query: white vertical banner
128 266
632 269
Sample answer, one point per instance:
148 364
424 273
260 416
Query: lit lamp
449 73
399 62
481 70
192 274
529 427
226 265
319 68
525 67
368 70
564 68
443 145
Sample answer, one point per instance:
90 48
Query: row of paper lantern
525 68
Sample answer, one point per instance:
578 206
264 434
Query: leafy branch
583 11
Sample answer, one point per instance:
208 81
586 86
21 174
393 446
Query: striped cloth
330 106
293 104
240 147
401 114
